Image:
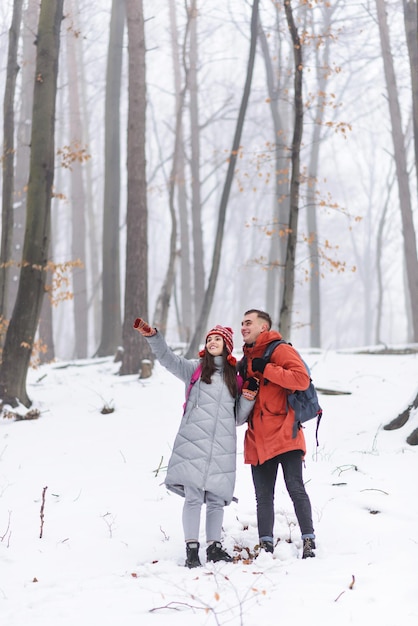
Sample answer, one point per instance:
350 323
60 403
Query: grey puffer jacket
204 451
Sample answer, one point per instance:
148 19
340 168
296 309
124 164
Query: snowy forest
184 161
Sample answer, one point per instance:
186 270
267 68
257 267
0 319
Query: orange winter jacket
270 428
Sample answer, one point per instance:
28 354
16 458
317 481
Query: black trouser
264 478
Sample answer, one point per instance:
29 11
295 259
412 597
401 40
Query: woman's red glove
142 327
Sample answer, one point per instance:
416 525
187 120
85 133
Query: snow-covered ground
112 553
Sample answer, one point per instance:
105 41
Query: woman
202 466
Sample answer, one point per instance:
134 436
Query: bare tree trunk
51 326
46 352
379 257
277 252
93 232
179 183
46 348
410 14
8 159
409 235
29 26
315 274
164 297
24 321
197 236
135 348
78 201
163 300
210 291
285 322
111 332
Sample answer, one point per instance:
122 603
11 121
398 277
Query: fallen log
332 392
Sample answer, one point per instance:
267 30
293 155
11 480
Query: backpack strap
242 365
271 348
318 421
267 356
195 376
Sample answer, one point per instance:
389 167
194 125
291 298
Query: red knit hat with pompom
226 333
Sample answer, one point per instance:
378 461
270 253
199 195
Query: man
270 439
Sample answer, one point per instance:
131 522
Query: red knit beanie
226 333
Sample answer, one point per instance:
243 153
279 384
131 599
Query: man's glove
258 364
250 388
142 327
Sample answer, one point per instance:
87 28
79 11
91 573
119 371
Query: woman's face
215 345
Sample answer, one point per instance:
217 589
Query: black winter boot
308 548
192 554
267 545
215 553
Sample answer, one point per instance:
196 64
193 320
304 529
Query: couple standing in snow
202 467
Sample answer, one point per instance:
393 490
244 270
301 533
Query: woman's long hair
230 373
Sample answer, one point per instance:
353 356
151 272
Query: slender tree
410 14
289 273
9 158
276 86
216 259
24 321
23 133
176 182
135 348
46 350
111 332
94 234
77 197
378 338
323 69
196 195
179 180
405 204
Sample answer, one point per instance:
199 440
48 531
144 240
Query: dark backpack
304 403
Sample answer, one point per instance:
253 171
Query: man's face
251 327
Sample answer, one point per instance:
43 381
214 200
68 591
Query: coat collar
261 343
219 361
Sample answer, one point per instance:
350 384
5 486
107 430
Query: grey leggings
194 498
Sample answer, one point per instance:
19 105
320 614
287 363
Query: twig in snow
350 586
177 606
221 614
42 512
109 522
79 494
160 466
166 537
3 451
345 468
8 531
